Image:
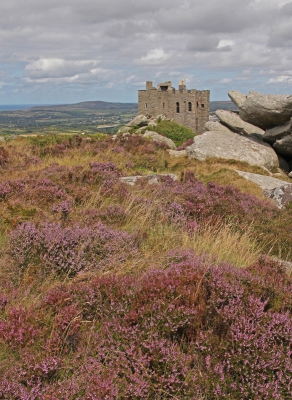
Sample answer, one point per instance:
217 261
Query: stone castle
187 107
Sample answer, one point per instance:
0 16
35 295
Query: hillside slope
162 291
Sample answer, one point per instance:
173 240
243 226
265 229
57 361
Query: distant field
223 105
88 117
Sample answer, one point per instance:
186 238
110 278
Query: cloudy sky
76 50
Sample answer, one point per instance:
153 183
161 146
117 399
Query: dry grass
212 165
222 243
219 242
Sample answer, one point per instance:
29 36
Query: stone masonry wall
187 107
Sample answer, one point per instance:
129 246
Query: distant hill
105 105
222 105
87 116
89 105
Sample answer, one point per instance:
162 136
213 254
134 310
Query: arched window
146 106
177 107
190 106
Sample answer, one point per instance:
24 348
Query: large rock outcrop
263 110
236 124
275 189
284 146
216 126
278 132
232 146
160 138
281 138
139 120
142 120
283 165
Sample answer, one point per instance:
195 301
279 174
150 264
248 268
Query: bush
174 131
188 331
186 144
4 157
142 315
68 250
46 140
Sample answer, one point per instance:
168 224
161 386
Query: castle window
145 106
202 105
163 88
163 105
190 106
177 107
197 104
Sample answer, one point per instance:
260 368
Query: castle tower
187 107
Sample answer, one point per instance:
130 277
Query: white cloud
281 79
85 46
224 43
59 68
130 78
226 80
154 57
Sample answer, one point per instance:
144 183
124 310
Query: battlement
187 107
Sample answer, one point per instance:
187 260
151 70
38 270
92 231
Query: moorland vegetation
163 291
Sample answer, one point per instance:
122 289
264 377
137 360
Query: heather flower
63 208
5 189
4 157
188 330
249 345
104 168
189 142
113 214
69 249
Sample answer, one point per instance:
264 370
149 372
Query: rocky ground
260 133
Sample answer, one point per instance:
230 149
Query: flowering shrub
5 189
176 213
192 330
19 329
202 202
9 188
247 346
55 145
44 190
32 160
47 190
189 142
183 329
4 157
67 250
104 168
113 214
63 208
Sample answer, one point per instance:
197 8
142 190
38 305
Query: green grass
174 131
